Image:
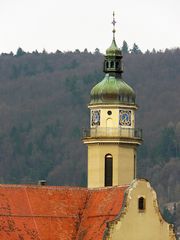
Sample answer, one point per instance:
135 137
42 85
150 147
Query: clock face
125 118
95 117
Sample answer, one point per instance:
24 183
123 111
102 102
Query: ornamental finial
114 23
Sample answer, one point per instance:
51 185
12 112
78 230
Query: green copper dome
113 50
112 90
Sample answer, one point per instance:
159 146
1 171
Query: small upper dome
113 50
112 90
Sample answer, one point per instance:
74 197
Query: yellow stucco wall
140 225
124 154
123 163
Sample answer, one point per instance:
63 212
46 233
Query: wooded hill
43 110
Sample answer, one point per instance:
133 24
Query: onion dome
113 89
113 50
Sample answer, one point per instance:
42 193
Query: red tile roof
57 213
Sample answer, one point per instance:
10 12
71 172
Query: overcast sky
78 24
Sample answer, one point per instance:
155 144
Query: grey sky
78 24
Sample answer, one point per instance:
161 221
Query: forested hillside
43 109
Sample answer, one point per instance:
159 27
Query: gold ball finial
114 24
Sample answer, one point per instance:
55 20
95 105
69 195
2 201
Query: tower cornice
113 140
124 106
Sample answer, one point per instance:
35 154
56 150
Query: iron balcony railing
113 132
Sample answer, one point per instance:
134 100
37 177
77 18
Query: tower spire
112 138
114 24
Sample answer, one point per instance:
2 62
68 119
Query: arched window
107 64
109 124
112 64
134 166
141 204
108 170
117 64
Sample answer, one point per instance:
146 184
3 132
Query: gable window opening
141 204
108 170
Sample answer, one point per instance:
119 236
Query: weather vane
114 23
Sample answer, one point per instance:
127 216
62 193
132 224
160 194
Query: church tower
112 138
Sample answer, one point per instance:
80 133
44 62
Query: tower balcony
99 132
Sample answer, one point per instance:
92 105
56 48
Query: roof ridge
81 215
108 188
49 187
